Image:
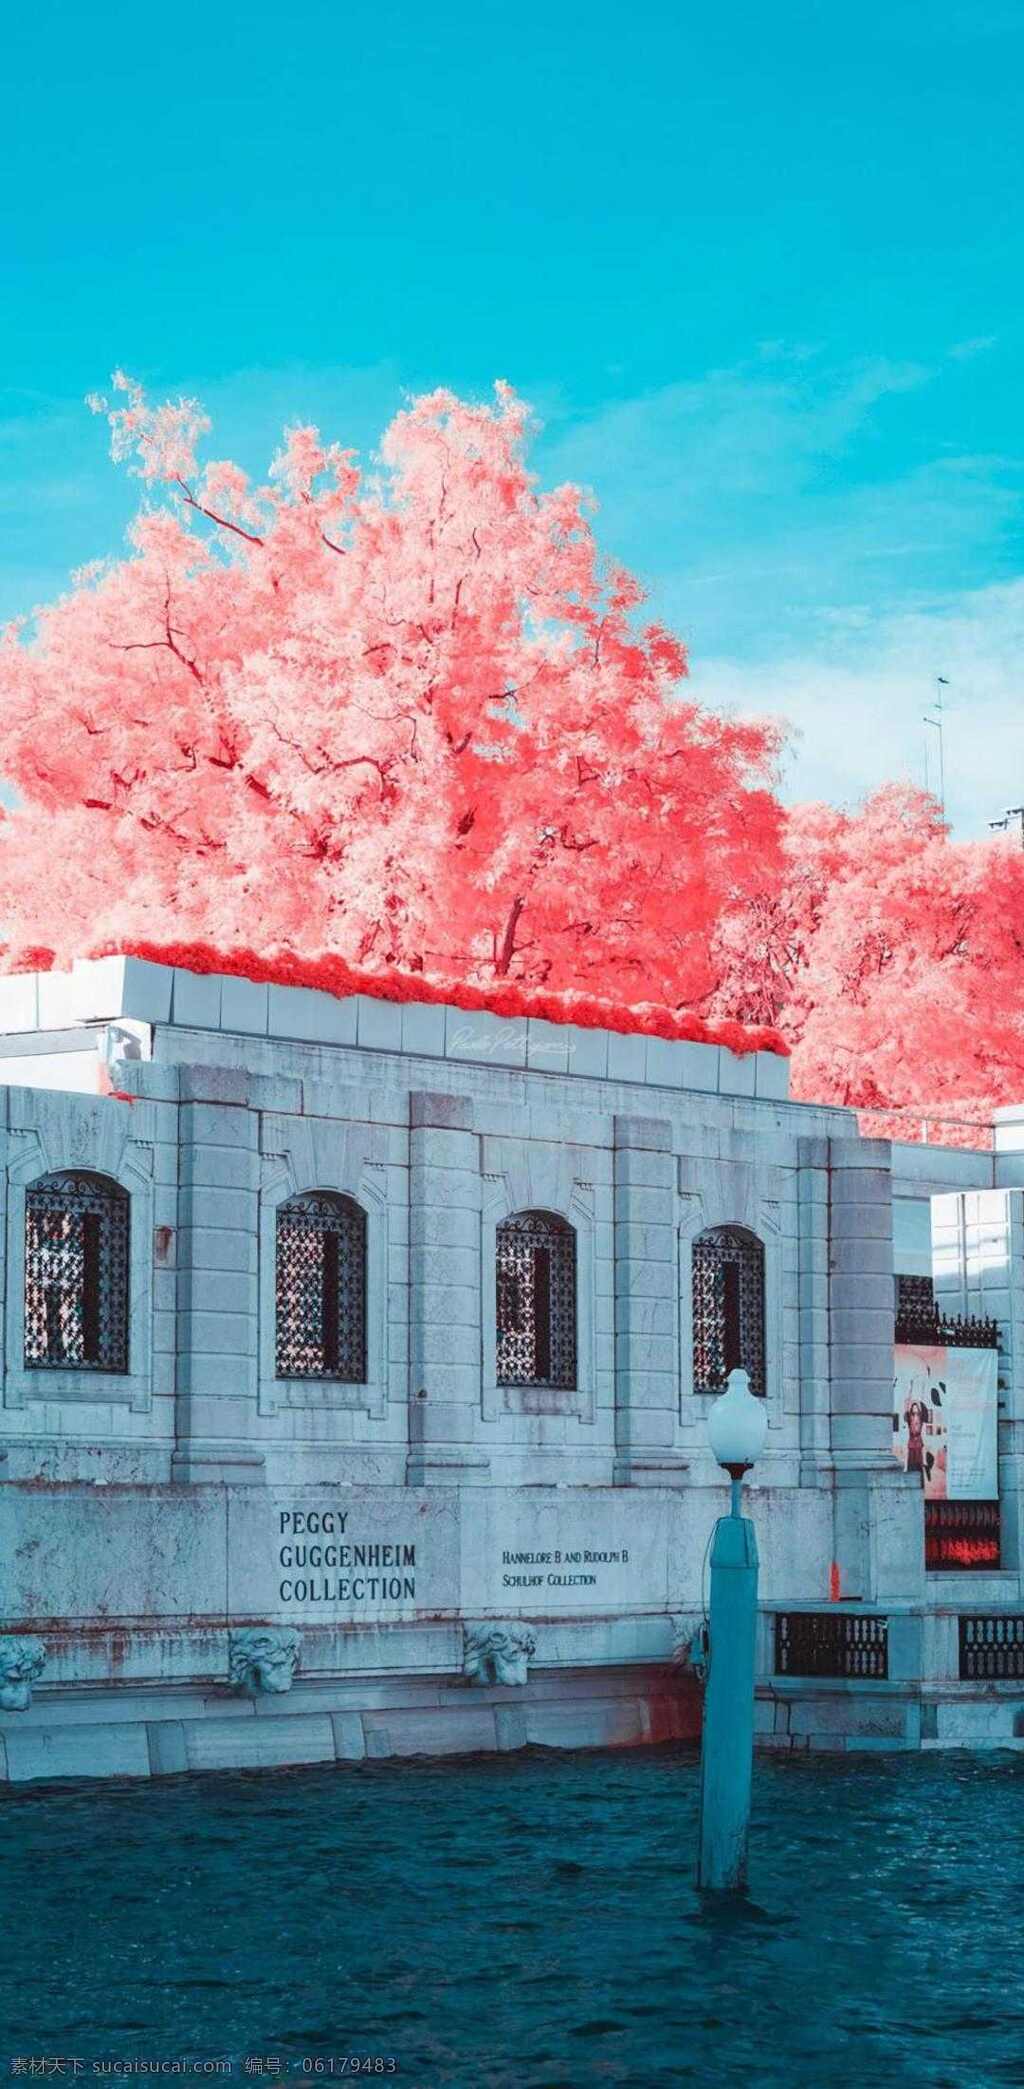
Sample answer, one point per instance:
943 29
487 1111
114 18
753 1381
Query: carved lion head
21 1660
499 1653
263 1660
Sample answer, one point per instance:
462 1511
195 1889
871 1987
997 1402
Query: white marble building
356 1365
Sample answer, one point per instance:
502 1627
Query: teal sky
759 271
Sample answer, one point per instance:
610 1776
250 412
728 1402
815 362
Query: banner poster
944 1412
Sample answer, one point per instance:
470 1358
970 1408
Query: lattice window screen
321 1288
536 1301
76 1273
728 1308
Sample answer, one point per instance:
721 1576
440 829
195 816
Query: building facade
356 1365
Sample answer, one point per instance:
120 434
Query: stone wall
145 1518
437 1146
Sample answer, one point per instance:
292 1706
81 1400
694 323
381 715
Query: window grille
992 1648
76 1273
321 1288
536 1301
915 1298
831 1643
728 1308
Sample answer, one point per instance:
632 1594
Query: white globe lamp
737 1426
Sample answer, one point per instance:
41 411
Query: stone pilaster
861 1306
879 1512
646 1305
813 1312
444 1293
217 1362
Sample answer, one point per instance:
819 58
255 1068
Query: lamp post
936 716
737 1426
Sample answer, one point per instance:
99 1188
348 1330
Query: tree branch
503 957
212 516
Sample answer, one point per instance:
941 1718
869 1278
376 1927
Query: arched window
321 1288
728 1308
536 1298
76 1273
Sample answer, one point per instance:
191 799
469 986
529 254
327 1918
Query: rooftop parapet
51 1007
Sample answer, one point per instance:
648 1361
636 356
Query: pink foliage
893 960
405 726
411 736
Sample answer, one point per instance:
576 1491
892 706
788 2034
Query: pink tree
413 721
892 959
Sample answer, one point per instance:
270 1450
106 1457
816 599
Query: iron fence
831 1643
992 1648
914 1323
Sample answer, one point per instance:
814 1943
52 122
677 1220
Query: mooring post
727 1745
737 1427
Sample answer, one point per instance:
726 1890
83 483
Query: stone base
972 1715
837 1717
134 1733
177 1728
166 1728
852 1717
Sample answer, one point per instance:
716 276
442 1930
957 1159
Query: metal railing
947 1330
992 1648
831 1643
920 1318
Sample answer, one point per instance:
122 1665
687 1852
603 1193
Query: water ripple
529 1920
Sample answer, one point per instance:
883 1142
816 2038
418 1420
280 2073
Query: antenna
936 717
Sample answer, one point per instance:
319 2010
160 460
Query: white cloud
808 579
964 351
760 501
823 568
752 430
858 703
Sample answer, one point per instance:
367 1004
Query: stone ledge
580 1711
177 1731
103 989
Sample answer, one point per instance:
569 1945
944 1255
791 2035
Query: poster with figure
944 1412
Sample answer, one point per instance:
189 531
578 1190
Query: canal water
527 1919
